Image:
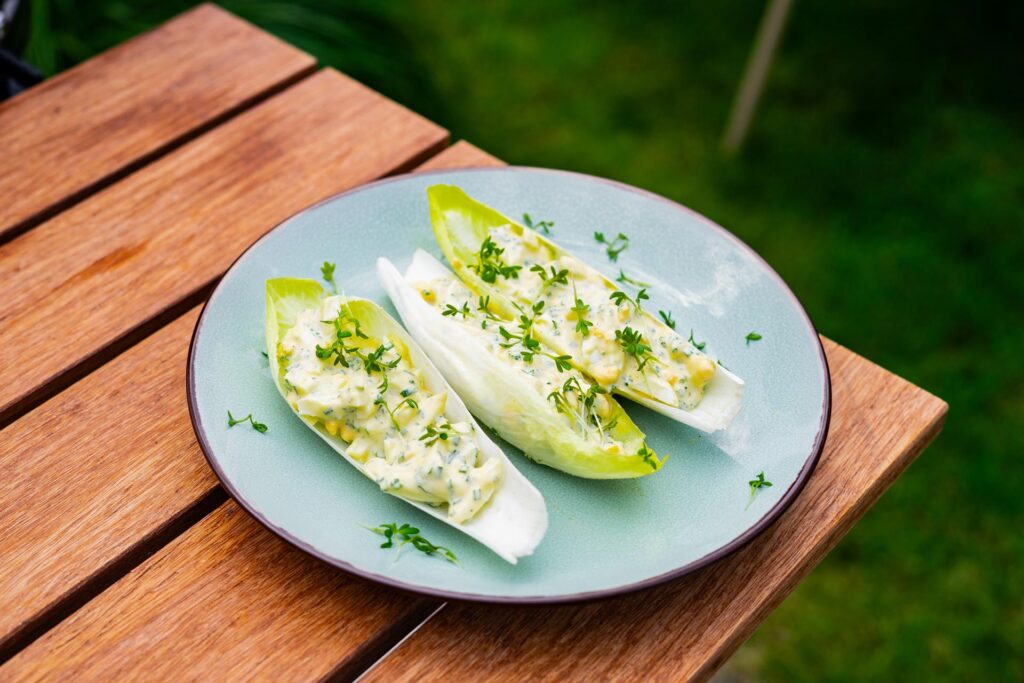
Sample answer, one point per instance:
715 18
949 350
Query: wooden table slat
225 601
133 253
85 491
133 102
687 629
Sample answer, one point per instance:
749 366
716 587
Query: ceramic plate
605 537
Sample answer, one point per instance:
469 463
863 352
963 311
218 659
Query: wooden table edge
742 631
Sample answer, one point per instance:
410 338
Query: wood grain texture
108 115
134 251
687 629
225 601
94 472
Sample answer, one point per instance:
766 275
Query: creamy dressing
395 427
457 302
676 373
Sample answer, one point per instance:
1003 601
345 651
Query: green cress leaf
757 484
258 426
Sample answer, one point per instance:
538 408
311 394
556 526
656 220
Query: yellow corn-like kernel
331 426
605 374
428 295
358 449
702 369
347 433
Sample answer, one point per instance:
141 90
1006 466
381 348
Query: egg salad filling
367 392
604 330
585 405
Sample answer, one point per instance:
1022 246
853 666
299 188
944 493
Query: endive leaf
515 519
461 224
501 395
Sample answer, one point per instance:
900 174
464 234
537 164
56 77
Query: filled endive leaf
357 379
529 396
583 315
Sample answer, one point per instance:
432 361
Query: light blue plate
605 537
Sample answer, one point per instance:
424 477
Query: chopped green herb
529 345
408 401
633 344
525 326
432 434
581 309
560 277
543 226
753 336
614 247
484 306
490 264
630 281
696 344
408 534
452 311
667 317
620 298
583 412
258 426
756 484
563 363
373 362
337 348
327 270
648 456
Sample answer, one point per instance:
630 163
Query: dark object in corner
15 74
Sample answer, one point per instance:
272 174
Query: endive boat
531 397
357 379
602 329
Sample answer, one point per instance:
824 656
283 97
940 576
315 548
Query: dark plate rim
746 537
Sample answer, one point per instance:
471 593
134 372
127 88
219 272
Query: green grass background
883 178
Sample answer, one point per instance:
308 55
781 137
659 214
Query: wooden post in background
749 92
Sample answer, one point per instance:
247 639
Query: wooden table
123 185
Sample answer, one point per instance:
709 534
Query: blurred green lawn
883 179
